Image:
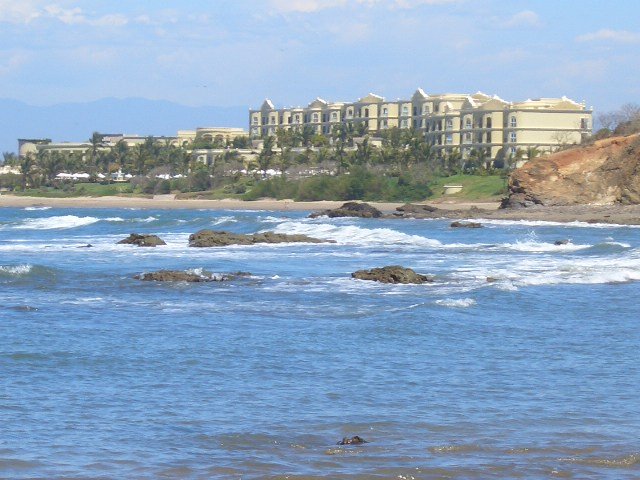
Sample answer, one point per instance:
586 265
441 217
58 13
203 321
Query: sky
239 52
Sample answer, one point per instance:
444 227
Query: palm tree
266 155
27 165
96 143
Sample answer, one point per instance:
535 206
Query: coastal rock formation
186 276
412 209
355 440
392 274
350 209
142 240
457 224
214 238
604 173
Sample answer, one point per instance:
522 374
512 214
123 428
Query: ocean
521 360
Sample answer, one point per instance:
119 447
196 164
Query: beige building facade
469 123
184 138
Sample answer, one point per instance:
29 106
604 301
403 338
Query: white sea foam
57 222
456 302
114 219
17 270
37 208
354 235
221 220
533 246
544 223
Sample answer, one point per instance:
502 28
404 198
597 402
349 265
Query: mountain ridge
76 121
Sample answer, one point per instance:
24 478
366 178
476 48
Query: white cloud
24 11
305 6
27 11
526 18
311 6
11 62
607 35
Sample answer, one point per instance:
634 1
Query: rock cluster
191 276
350 209
457 224
392 274
355 440
215 238
603 173
142 240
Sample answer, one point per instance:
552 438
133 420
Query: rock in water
213 238
465 225
564 241
186 276
603 173
143 240
392 274
350 209
355 440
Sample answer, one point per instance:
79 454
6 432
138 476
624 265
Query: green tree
265 157
27 165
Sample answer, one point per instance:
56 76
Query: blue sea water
533 374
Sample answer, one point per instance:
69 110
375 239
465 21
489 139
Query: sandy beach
610 214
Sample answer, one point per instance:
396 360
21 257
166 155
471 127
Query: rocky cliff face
604 173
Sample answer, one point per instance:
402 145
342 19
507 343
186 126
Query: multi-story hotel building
477 122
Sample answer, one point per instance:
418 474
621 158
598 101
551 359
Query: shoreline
449 208
165 202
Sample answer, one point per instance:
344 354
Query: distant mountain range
75 122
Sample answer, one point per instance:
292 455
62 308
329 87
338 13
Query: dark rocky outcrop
350 209
192 276
603 173
457 224
416 209
355 440
142 240
564 241
392 274
215 238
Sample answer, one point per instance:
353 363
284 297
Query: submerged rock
564 241
214 238
355 440
392 274
142 240
465 225
187 276
350 209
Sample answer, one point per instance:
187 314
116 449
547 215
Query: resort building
184 138
477 123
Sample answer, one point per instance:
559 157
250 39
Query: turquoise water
533 375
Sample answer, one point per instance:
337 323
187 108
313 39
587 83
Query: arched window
514 122
315 117
488 122
467 123
334 116
366 113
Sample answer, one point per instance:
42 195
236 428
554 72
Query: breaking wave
15 270
354 235
456 303
57 222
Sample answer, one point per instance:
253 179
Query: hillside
603 173
77 121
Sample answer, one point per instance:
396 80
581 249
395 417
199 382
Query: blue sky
235 52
